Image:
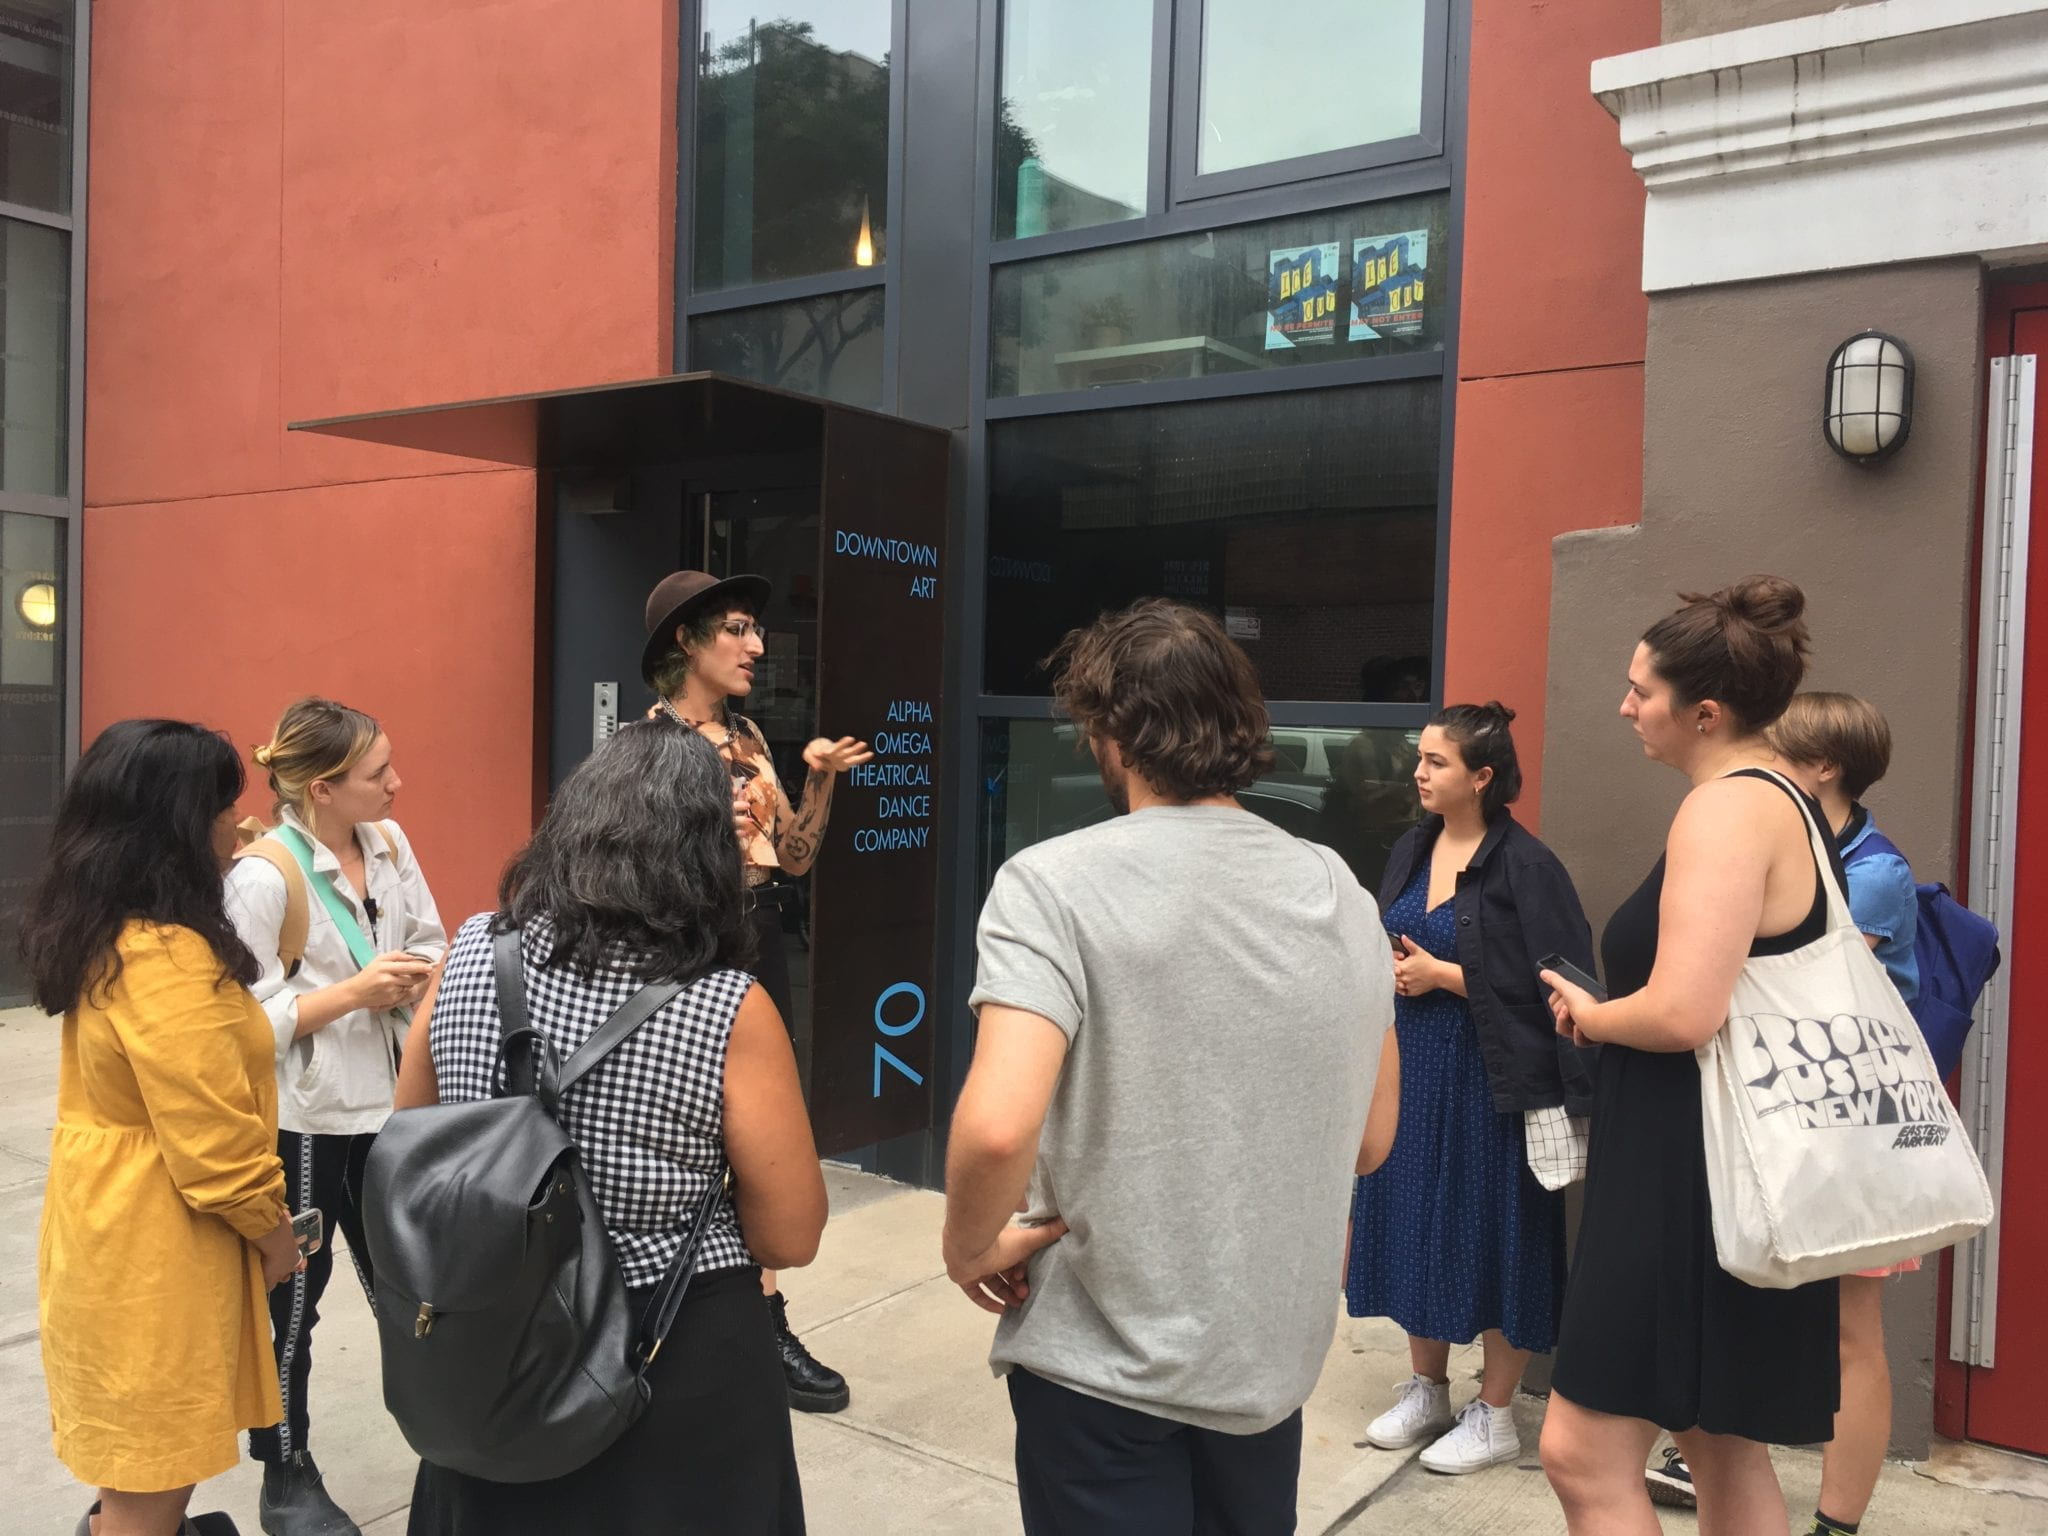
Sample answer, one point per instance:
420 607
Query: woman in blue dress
1453 1238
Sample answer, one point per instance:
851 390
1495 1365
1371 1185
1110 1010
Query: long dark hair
134 839
636 863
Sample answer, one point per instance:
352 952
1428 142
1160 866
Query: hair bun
1768 603
1499 711
262 755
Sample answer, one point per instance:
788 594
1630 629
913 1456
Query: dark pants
323 1171
771 963
1090 1468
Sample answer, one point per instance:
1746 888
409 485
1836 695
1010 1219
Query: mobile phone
306 1228
1572 974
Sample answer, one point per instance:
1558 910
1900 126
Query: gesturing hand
994 1279
827 756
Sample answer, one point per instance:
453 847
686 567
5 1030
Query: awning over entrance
683 416
687 464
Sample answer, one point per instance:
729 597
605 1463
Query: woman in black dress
1655 1333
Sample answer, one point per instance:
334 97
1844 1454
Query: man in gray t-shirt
1181 1015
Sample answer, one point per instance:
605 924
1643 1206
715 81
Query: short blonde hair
1836 728
315 740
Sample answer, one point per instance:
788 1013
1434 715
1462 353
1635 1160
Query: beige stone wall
1737 478
1698 18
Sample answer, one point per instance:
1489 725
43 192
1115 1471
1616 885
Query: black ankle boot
294 1502
813 1388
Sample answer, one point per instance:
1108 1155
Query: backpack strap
291 933
534 1057
637 1010
528 1062
669 1291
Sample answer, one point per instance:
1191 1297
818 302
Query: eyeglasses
739 629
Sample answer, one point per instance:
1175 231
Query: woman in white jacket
372 939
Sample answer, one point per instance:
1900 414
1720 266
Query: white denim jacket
337 1081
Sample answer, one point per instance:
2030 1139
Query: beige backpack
255 842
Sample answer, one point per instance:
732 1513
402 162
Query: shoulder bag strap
1822 844
675 1281
344 918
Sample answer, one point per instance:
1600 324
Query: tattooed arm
800 833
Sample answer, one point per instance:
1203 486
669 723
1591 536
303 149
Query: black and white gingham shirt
648 1119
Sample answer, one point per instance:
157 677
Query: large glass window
792 139
35 103
1307 519
1351 790
31 714
1075 115
35 346
829 346
1351 282
1279 84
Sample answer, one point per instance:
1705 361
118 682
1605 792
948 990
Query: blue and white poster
1388 276
1301 296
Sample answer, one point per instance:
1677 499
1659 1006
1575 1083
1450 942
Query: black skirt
711 1456
1653 1327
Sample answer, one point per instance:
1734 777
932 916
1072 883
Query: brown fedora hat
675 596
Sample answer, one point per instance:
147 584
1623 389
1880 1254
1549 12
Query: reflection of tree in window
793 148
812 345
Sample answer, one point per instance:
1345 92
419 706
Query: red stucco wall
303 211
1550 390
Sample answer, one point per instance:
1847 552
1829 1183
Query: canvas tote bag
1831 1145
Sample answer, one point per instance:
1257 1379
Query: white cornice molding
1896 131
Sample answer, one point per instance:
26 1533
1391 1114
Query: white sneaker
1485 1437
1423 1409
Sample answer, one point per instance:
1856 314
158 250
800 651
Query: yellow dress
155 1333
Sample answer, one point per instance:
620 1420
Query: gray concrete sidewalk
925 1446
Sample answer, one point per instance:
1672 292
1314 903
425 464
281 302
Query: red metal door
2004 1404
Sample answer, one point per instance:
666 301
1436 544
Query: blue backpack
1957 951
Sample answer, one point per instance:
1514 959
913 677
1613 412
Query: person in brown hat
704 637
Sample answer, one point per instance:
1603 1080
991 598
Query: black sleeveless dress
1653 1327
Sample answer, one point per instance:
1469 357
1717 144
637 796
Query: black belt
773 893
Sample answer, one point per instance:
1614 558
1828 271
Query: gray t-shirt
1224 988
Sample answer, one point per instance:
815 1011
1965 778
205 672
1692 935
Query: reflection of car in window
1352 790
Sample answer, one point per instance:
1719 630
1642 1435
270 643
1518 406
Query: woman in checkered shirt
631 879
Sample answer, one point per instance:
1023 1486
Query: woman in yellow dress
164 1219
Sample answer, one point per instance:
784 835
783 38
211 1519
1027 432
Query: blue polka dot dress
1453 1235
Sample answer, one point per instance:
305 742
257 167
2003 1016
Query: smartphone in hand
1572 974
307 1229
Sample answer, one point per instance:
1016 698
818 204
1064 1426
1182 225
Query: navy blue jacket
1514 904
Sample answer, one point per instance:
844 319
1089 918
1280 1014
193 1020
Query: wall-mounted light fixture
1868 406
37 605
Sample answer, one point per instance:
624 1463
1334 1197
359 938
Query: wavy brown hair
1168 686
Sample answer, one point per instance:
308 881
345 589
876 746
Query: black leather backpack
508 1350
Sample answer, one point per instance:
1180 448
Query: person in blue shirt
1838 746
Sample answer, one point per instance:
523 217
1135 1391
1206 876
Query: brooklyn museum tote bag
1831 1145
